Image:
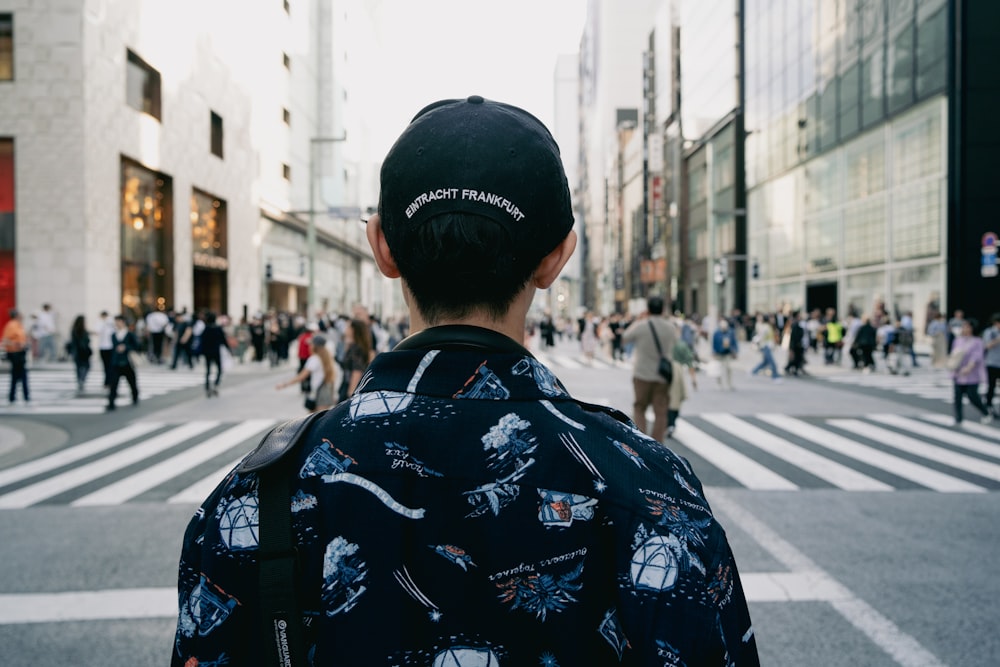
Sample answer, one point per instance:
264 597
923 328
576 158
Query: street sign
346 212
988 268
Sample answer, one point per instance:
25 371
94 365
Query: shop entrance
210 291
821 296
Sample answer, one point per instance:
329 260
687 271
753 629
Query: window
6 47
286 171
142 90
286 115
216 138
287 60
932 53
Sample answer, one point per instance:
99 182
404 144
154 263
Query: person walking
654 337
797 344
765 339
80 351
47 328
319 370
358 353
678 394
124 343
463 506
105 332
183 335
725 349
863 347
967 363
157 322
213 341
15 346
991 343
937 331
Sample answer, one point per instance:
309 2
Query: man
123 343
15 346
47 333
156 324
991 343
725 348
462 506
105 331
653 336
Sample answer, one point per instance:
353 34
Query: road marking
742 468
839 475
133 603
200 490
52 486
963 440
75 453
885 634
128 603
991 432
922 449
144 480
922 475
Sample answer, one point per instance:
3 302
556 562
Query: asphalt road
863 523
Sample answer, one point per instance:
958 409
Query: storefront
147 278
209 252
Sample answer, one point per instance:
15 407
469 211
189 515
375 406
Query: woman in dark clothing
213 339
79 345
358 353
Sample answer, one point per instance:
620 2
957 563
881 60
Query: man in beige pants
650 387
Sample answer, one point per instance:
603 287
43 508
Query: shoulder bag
665 367
278 556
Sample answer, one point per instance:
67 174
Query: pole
311 227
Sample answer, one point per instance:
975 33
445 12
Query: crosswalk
568 358
156 462
932 384
54 391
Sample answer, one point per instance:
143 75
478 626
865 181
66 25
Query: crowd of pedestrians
180 340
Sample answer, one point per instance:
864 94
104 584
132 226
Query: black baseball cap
481 157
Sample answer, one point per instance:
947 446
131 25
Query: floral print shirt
462 509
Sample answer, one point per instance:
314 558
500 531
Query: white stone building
164 154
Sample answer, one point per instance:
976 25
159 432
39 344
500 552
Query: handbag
955 360
310 403
665 367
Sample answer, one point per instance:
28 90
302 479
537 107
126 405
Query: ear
552 264
380 249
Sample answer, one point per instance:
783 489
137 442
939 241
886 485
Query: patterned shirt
463 509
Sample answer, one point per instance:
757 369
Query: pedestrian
15 349
765 339
80 351
319 369
654 337
213 342
863 347
157 322
105 332
902 347
796 335
304 352
358 353
183 335
124 344
462 504
968 370
991 343
833 336
46 333
725 349
937 330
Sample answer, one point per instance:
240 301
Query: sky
501 49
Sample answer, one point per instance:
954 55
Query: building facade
153 157
856 201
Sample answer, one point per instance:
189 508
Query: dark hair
455 264
210 317
362 337
654 305
995 318
79 329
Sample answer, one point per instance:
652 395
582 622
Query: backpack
904 337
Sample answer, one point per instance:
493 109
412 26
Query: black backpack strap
278 557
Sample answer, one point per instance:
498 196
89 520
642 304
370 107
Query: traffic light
268 272
755 271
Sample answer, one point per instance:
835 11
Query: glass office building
847 139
